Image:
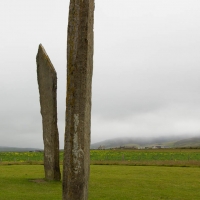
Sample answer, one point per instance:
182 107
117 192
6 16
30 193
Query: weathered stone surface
78 103
47 83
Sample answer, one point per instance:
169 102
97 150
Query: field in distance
165 157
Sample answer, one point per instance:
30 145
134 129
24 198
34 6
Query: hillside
191 142
171 142
139 142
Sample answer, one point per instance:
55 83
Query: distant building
101 147
157 147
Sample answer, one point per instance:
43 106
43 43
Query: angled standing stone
47 82
78 103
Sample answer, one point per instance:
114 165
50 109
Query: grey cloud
146 68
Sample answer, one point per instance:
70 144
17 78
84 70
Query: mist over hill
171 142
190 142
138 142
17 149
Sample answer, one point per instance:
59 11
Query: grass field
165 157
106 182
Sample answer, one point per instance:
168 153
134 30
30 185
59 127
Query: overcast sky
146 79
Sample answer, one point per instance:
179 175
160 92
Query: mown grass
175 163
17 182
106 182
129 182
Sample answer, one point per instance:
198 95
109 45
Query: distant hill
191 142
172 142
139 142
16 149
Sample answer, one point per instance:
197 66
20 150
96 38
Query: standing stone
76 164
47 82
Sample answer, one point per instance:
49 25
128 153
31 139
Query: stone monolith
47 83
76 165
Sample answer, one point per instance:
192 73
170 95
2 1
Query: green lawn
107 182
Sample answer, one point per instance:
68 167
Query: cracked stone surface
76 164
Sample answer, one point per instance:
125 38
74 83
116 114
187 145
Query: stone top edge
46 56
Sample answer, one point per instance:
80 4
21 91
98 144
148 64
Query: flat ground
107 182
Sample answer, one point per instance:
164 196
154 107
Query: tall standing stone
47 82
76 165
